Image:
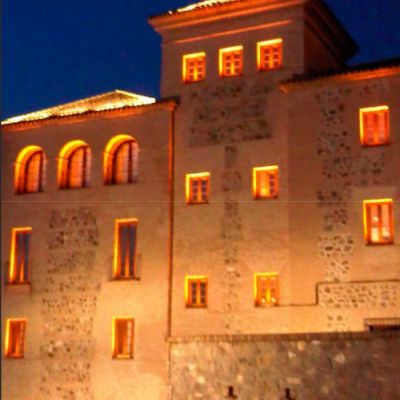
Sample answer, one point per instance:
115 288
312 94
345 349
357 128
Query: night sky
55 51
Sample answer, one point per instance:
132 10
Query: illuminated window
265 182
121 159
15 338
269 54
194 67
122 344
231 61
19 258
196 291
197 188
378 221
266 289
374 125
74 165
30 170
125 249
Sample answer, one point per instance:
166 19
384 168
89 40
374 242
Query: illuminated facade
260 196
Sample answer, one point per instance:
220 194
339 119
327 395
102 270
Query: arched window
74 165
30 170
121 160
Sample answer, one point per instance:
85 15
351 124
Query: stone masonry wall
360 366
69 288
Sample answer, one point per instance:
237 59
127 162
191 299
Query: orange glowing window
197 188
378 221
122 342
121 159
74 165
231 61
196 291
265 182
194 67
374 126
15 338
30 170
20 255
125 266
269 54
266 289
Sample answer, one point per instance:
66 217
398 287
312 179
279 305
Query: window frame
271 170
271 44
197 57
367 204
21 173
375 111
115 338
222 61
117 270
21 339
197 177
64 173
16 274
198 280
270 276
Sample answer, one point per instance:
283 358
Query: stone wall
360 294
69 289
358 366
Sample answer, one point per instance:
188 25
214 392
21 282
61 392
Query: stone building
235 239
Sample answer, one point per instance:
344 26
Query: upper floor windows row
230 61
74 162
265 185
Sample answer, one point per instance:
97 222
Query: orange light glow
374 125
198 298
120 271
14 345
197 188
266 289
109 153
378 221
18 275
269 54
266 182
231 61
122 337
64 161
20 164
194 67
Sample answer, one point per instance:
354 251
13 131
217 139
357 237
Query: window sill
366 145
119 357
196 203
121 279
263 70
378 244
196 307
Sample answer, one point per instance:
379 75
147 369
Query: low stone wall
334 366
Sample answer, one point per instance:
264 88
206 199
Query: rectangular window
15 338
122 343
378 221
269 54
265 182
266 289
125 249
196 291
231 61
197 188
194 67
374 125
20 255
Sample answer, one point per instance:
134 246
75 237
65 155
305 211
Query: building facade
218 242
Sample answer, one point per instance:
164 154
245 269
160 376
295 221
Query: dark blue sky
56 51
